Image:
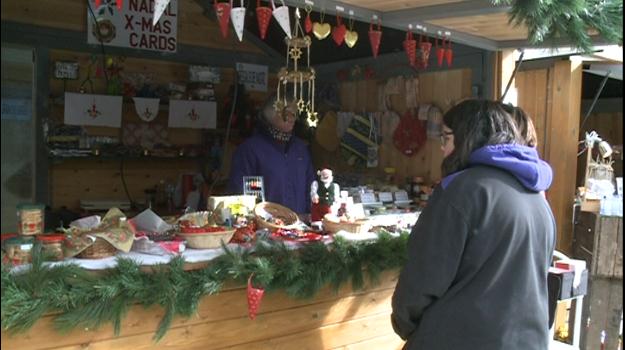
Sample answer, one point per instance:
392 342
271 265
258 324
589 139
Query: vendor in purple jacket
282 159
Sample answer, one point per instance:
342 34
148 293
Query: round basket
264 209
359 226
98 250
207 240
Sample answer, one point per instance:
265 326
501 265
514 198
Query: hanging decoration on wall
222 9
449 53
295 80
254 297
237 16
308 24
119 3
159 7
263 13
351 36
375 36
321 30
424 47
147 108
339 31
440 50
410 46
281 13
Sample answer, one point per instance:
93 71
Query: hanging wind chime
295 81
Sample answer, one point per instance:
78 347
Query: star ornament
312 119
295 53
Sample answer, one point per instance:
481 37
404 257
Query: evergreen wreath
573 19
87 300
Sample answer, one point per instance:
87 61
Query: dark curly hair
475 124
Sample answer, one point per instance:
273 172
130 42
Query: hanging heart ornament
320 29
375 36
339 31
263 14
222 9
351 36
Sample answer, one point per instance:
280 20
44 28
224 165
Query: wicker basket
100 249
207 240
276 211
359 226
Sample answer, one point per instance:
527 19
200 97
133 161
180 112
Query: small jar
19 249
52 246
30 219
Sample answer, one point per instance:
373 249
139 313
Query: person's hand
315 199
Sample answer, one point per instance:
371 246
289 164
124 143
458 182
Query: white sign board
192 114
253 76
132 25
95 110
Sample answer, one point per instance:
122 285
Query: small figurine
323 196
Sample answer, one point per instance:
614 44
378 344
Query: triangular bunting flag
159 8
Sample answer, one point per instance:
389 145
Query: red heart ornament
308 25
375 36
338 34
254 297
410 46
223 16
263 13
425 47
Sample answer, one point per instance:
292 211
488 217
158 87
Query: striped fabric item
356 141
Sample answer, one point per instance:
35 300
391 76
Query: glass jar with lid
52 246
19 249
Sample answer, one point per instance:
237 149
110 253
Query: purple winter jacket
286 169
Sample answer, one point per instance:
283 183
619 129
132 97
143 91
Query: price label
66 70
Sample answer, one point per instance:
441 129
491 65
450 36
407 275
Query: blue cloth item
286 168
521 161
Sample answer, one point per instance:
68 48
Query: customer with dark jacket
476 275
282 159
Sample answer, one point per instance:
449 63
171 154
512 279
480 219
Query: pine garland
88 301
572 19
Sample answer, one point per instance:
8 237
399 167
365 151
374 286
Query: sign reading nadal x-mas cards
94 110
192 114
134 25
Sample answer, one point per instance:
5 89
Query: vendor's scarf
276 134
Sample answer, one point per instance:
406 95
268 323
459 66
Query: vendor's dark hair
477 123
524 125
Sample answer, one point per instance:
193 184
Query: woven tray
98 250
208 240
276 211
359 226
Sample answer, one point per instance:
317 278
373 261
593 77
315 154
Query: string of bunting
88 301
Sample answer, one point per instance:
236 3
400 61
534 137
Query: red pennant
375 36
308 25
119 4
263 13
223 16
440 54
254 297
449 53
410 46
338 33
425 47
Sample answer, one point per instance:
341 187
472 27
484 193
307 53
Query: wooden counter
343 320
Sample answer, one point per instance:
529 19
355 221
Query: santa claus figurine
324 194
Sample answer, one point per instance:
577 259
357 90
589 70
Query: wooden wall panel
443 89
343 320
532 91
97 179
194 28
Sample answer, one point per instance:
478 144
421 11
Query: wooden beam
561 149
504 66
448 10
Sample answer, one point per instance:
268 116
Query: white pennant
147 108
282 16
237 16
159 8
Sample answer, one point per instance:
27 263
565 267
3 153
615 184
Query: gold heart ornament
321 30
351 37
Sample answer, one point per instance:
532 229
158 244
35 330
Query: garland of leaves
86 300
573 19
